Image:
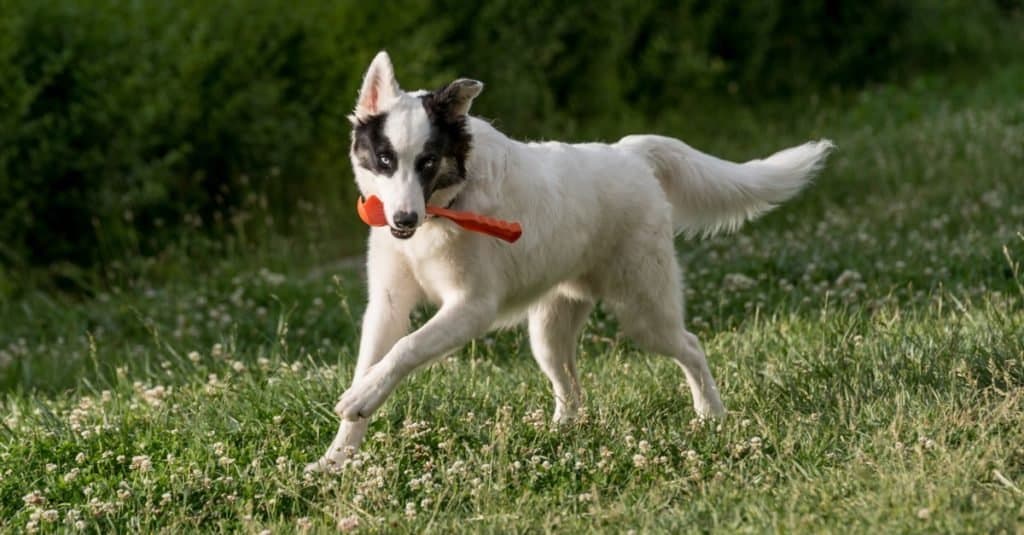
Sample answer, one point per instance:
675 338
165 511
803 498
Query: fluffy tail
710 195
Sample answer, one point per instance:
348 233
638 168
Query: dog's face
410 147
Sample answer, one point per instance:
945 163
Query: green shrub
125 121
125 125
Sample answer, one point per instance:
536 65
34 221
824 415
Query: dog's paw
565 416
322 466
335 459
364 396
711 412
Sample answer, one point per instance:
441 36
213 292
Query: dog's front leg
386 320
454 325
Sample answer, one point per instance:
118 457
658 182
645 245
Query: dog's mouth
402 234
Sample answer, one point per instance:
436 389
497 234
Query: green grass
868 340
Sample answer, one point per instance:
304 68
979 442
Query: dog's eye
384 161
428 163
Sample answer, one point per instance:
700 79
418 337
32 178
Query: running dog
598 223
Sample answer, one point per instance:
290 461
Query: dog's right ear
379 88
456 97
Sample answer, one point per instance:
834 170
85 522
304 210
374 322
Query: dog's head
407 147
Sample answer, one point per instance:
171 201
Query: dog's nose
406 220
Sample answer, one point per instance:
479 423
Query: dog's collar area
449 206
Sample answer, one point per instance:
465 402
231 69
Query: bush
124 124
123 121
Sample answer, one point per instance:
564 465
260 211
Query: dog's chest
435 280
438 264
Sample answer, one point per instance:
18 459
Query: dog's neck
486 168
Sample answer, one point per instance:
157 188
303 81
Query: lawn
868 340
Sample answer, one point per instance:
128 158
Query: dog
599 222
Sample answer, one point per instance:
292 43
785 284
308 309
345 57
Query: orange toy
371 211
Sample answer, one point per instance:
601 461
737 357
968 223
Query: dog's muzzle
405 224
403 234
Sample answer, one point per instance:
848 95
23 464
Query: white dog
598 223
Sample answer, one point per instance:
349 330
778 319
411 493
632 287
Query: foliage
124 125
128 122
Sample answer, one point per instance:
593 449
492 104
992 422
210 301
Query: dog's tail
710 195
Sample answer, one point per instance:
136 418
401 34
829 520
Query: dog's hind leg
555 325
651 313
392 298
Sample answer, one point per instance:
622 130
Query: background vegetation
126 124
177 313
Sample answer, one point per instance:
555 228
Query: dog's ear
379 87
456 97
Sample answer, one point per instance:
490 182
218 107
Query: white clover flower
848 277
72 475
348 523
154 396
34 498
737 281
141 463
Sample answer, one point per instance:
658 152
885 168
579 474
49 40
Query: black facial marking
448 145
372 148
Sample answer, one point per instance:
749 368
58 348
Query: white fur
598 223
407 127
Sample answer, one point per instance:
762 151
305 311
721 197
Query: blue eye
384 160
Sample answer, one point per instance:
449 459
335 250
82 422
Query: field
868 340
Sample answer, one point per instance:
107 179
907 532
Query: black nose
406 220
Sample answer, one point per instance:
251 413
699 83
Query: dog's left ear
457 97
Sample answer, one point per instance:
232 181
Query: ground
868 340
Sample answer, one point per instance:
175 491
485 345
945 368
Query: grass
868 340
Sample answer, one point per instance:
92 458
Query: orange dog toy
371 211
